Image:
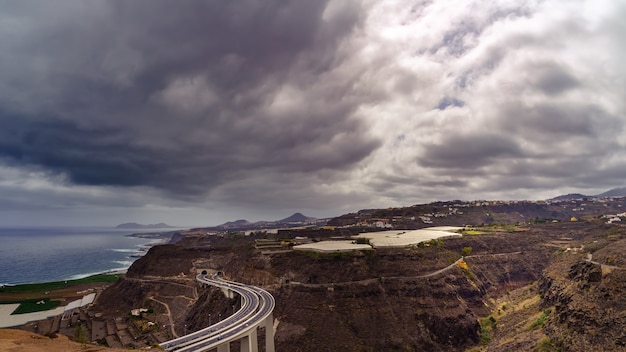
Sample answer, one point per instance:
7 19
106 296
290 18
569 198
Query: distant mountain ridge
134 225
570 196
297 219
614 192
236 223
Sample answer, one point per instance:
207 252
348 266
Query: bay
42 254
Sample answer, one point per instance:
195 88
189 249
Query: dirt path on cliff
163 280
169 315
603 266
434 273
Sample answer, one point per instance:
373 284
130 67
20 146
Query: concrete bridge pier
249 343
228 293
269 333
225 347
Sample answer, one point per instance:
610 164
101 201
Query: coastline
65 254
155 234
53 285
68 295
159 238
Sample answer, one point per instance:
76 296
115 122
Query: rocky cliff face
588 303
384 300
435 314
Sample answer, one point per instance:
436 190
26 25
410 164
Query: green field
36 305
473 232
55 285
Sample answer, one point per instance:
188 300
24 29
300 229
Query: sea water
30 255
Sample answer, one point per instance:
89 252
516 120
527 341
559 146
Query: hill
235 224
571 196
135 226
615 192
297 217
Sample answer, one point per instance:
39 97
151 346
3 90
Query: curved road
256 306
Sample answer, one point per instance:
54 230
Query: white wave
124 250
84 275
126 263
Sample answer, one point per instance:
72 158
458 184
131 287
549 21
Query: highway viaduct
256 310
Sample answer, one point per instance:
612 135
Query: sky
200 112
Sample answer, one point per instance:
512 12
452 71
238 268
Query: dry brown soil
23 341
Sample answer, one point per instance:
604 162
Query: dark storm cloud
552 121
459 151
179 98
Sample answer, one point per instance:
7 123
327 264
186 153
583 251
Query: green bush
362 240
466 251
80 334
546 345
487 325
541 321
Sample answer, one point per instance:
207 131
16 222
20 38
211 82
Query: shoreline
104 277
153 239
77 277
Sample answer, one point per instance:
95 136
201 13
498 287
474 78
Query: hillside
365 301
615 192
459 213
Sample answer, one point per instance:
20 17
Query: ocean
42 254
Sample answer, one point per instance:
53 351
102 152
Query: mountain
134 225
615 192
570 196
294 220
297 217
235 224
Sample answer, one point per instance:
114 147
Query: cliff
379 300
587 298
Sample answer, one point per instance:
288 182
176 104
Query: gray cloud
554 80
550 120
178 98
263 107
459 151
446 102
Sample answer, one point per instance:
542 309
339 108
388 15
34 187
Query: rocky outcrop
589 305
211 307
384 315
